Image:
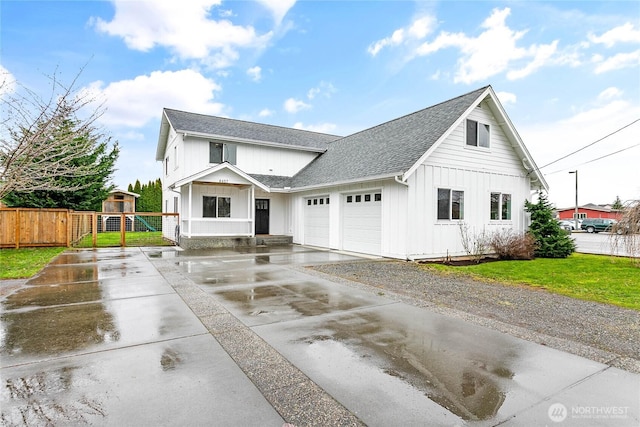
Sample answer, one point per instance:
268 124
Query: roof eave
203 135
345 182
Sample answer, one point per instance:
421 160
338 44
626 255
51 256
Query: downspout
190 204
400 181
406 184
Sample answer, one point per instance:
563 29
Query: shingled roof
213 126
391 148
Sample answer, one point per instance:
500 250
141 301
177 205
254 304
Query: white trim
249 141
218 168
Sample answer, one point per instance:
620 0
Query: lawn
25 262
132 238
598 278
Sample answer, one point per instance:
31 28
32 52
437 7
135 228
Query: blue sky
567 72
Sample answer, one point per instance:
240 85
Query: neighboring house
118 201
590 210
400 189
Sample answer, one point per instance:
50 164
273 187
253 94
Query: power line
599 158
589 145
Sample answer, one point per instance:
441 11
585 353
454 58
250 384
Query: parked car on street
566 224
596 225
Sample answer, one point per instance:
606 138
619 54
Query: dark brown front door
262 216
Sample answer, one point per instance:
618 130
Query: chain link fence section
127 229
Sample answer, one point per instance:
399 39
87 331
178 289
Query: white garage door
362 222
316 221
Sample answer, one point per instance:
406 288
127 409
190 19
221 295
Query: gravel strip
600 332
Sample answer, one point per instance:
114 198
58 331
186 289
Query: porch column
252 209
190 205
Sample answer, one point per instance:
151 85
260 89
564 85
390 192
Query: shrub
474 244
508 244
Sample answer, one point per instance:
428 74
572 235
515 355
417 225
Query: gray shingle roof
390 148
211 125
273 181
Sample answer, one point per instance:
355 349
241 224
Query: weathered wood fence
23 227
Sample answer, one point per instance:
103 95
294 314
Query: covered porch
218 202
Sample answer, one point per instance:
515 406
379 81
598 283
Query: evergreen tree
617 204
551 240
130 188
89 190
150 199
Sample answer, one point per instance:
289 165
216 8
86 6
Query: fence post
69 227
17 228
94 229
123 224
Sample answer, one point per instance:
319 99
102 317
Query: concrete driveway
166 337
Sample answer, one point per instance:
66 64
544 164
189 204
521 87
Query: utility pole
575 214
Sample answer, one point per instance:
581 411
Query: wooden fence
22 227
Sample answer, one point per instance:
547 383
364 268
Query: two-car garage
360 222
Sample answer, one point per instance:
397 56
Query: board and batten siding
250 158
476 171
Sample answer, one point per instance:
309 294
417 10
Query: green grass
25 262
137 238
588 277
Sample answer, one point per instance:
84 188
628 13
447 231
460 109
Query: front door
262 216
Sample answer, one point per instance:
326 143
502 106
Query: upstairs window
450 204
219 153
477 134
500 206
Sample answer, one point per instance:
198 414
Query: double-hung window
500 206
477 134
219 152
450 204
216 207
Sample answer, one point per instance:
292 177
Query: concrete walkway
165 337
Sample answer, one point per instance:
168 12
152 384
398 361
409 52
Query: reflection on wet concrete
51 331
469 376
289 300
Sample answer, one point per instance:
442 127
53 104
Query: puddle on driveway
398 350
56 330
292 300
464 375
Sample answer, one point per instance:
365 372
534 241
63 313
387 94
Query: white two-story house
399 189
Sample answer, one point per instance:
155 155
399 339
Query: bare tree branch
43 139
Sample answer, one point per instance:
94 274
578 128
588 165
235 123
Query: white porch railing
198 227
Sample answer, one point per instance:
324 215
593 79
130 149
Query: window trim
228 152
478 136
450 203
217 206
500 207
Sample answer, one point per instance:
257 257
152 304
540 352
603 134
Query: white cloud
623 34
322 127
292 105
255 73
417 30
266 112
133 103
185 28
495 50
324 89
506 98
7 82
278 8
610 93
616 62
552 140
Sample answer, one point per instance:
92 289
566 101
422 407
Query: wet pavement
248 337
